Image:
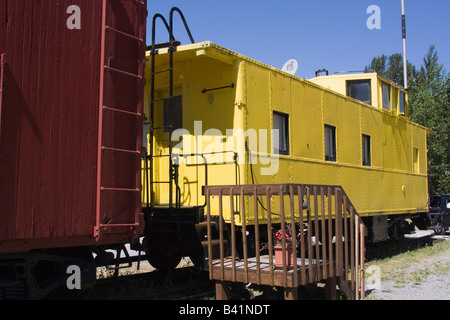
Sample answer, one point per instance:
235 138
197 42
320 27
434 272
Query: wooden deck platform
265 275
328 241
269 274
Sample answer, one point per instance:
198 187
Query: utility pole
405 63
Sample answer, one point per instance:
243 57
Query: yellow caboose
225 119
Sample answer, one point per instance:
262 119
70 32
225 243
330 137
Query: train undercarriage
170 235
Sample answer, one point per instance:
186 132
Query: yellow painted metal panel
306 121
388 186
348 133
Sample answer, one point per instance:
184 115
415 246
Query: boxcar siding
3 20
50 98
49 123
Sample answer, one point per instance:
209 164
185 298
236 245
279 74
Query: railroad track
180 284
187 283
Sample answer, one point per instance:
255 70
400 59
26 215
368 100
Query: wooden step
214 242
205 224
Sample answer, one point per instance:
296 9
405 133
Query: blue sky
318 34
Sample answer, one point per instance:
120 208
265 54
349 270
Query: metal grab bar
184 22
172 47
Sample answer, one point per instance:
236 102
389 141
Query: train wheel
439 228
396 231
163 255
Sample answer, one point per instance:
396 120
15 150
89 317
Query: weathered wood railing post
233 236
330 247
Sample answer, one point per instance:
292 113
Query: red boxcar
71 101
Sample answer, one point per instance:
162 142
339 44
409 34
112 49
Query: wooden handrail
327 241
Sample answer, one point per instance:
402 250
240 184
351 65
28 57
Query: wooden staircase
328 241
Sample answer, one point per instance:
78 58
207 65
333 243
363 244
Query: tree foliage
391 67
429 105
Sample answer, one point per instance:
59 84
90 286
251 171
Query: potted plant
278 248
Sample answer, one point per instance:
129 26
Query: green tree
429 105
379 64
391 67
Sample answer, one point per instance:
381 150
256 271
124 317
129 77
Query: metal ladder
135 111
171 46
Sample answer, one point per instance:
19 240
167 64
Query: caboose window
360 90
401 102
330 143
366 150
415 160
386 94
281 123
177 114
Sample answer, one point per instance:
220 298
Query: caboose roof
214 51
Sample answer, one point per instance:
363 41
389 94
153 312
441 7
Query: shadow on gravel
156 285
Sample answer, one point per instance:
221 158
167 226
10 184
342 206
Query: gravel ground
420 280
417 279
